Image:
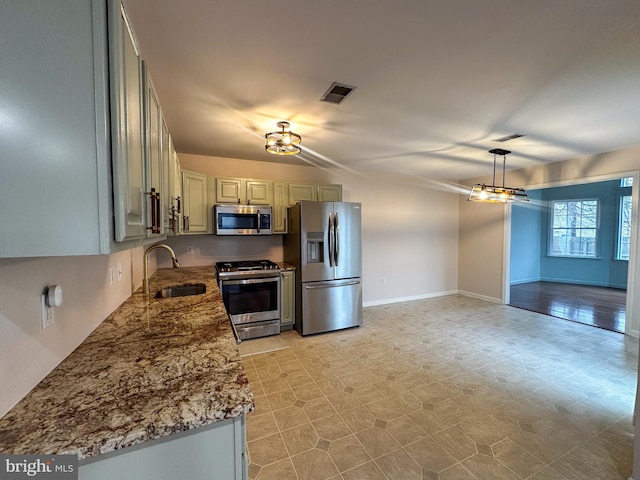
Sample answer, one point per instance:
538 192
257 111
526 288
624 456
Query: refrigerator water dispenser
315 247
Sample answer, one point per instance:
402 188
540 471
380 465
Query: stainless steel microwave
242 219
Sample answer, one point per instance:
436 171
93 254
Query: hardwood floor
598 306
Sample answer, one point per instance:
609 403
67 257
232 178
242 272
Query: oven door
251 299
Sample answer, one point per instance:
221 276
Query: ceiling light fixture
283 142
494 194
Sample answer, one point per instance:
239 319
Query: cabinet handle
158 213
185 223
179 204
155 227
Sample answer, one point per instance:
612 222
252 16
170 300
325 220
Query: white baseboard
480 297
528 280
411 298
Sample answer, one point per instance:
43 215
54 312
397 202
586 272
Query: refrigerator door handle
336 242
331 240
331 285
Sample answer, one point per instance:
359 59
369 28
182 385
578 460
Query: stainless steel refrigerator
324 244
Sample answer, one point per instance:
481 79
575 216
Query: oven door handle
248 281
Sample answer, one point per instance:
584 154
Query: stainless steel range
251 293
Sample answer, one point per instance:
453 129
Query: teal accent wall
532 220
526 239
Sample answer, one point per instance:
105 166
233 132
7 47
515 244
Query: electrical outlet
48 315
190 250
383 281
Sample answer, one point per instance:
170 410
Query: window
574 228
624 220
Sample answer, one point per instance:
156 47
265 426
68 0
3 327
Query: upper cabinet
83 141
127 127
173 211
314 192
279 211
329 193
196 204
154 159
63 118
244 191
278 194
302 191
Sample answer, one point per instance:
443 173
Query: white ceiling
437 80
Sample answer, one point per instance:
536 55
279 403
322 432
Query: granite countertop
285 266
154 367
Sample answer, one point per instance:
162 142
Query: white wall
28 354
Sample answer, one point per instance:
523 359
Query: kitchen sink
182 290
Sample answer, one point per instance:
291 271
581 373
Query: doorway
569 252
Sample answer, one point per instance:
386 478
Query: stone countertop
285 266
154 367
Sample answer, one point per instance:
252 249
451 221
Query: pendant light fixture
283 142
493 193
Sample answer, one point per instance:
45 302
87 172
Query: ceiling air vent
508 138
337 93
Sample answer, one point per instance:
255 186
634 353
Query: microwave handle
258 221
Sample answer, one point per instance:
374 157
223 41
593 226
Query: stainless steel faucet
176 264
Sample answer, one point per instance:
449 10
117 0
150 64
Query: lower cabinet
287 300
214 452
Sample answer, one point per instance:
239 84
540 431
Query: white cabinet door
166 178
194 191
175 185
213 452
54 145
127 128
230 190
153 159
329 193
259 192
244 191
302 191
280 202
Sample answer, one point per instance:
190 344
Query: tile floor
450 388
